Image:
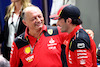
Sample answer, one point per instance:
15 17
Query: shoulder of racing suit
51 31
81 40
21 41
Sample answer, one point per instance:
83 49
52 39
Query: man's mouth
59 26
38 24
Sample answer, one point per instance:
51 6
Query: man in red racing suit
39 45
46 52
80 47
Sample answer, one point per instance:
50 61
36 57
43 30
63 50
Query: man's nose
38 19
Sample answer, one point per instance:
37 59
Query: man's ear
69 20
24 22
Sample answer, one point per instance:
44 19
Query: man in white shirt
56 4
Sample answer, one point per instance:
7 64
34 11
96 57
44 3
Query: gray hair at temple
27 9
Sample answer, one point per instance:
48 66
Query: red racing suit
46 52
80 49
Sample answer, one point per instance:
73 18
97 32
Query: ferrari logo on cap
50 31
27 50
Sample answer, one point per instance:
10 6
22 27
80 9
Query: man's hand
90 32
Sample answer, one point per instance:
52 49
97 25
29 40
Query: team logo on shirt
50 31
82 61
27 50
30 58
69 58
52 44
80 45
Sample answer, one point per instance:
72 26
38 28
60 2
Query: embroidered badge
82 61
27 50
30 58
52 44
50 31
80 45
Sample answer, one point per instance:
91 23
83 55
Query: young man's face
34 19
61 22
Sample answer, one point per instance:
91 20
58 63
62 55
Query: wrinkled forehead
32 9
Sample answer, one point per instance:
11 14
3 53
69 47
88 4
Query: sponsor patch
81 54
19 37
51 41
27 50
30 58
69 58
82 57
81 50
50 31
82 61
80 45
52 44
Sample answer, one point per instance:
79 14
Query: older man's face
34 19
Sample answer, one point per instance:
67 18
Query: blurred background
90 13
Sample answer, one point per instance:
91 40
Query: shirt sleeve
14 57
82 53
83 58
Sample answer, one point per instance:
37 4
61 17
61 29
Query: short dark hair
75 21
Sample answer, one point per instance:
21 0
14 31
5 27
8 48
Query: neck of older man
35 33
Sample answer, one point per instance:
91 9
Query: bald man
39 45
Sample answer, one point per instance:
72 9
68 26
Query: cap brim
54 17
